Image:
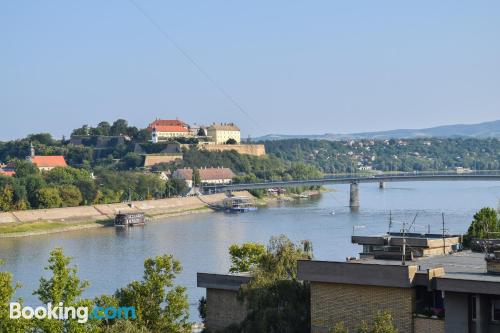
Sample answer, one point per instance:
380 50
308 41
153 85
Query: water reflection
111 258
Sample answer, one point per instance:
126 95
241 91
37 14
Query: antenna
403 259
444 234
390 221
413 222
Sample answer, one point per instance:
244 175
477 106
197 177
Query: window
495 309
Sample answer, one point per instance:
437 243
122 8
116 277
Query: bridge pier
354 196
381 185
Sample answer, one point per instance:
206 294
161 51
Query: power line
190 59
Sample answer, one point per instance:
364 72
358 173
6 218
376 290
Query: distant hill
489 129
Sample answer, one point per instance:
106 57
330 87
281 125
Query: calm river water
111 258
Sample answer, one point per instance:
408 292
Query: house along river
110 258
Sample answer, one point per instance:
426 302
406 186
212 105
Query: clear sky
297 67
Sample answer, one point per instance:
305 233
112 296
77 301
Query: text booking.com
61 312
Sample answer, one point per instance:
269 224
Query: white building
220 133
166 129
208 176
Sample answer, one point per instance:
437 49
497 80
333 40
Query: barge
238 205
130 219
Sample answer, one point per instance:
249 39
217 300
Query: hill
489 129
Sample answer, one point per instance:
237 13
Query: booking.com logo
61 312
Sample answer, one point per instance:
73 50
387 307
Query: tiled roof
175 129
224 127
205 173
167 122
49 161
8 173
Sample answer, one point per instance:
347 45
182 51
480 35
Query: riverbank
270 199
45 221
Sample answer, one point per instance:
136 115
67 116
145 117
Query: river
110 258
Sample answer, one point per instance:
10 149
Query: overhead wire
193 62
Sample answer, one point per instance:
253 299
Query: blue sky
295 66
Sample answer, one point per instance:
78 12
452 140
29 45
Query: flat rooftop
465 265
463 272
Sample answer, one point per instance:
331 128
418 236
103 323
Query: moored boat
238 205
130 219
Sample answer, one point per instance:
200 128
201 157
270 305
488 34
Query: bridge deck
403 177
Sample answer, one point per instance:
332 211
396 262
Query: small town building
219 175
167 122
7 172
46 163
221 133
167 129
162 133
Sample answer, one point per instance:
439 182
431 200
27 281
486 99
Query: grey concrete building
439 289
453 293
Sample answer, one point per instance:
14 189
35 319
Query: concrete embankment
42 221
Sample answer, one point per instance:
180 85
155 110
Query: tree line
390 155
160 304
67 187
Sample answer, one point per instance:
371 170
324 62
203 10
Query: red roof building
8 173
167 122
46 163
164 130
171 128
207 175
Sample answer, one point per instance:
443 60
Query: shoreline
154 210
34 223
95 224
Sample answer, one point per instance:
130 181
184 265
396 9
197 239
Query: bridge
354 181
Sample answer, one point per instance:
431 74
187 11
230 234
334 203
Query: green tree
196 177
6 198
103 128
125 326
340 328
70 196
43 138
84 130
363 327
485 224
276 300
132 161
60 176
119 127
245 257
48 197
383 323
161 306
24 168
175 187
88 189
202 308
231 141
143 135
7 290
63 286
33 183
